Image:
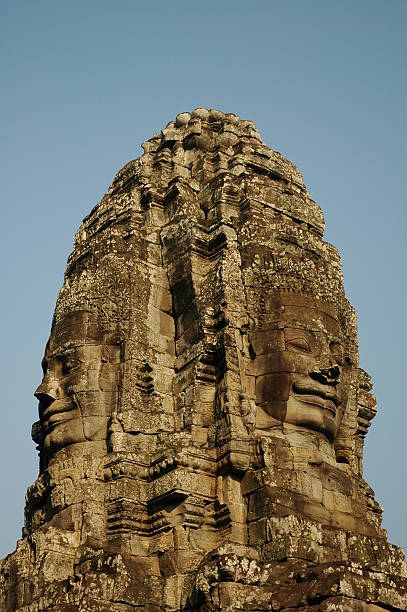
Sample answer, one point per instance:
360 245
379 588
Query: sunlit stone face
301 369
80 386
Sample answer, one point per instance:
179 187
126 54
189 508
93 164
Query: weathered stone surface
203 413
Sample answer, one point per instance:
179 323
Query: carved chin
313 413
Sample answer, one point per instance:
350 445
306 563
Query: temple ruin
203 413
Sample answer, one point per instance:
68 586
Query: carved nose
327 375
44 399
46 393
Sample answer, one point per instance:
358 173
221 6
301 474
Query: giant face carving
80 386
300 364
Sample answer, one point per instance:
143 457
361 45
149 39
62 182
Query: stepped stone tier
203 413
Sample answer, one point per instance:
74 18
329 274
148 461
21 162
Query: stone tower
203 413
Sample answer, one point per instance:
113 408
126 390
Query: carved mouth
311 392
56 412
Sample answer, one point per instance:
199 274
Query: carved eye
299 343
44 365
68 364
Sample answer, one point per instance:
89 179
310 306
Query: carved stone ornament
202 413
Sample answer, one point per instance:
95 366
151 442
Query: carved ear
346 435
112 353
113 347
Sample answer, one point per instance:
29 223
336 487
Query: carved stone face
80 385
300 364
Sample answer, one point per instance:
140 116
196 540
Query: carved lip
57 412
312 392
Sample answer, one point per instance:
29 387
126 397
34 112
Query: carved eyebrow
302 327
61 352
68 347
290 333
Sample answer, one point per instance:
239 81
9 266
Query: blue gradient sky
84 83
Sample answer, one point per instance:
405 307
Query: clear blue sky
85 82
